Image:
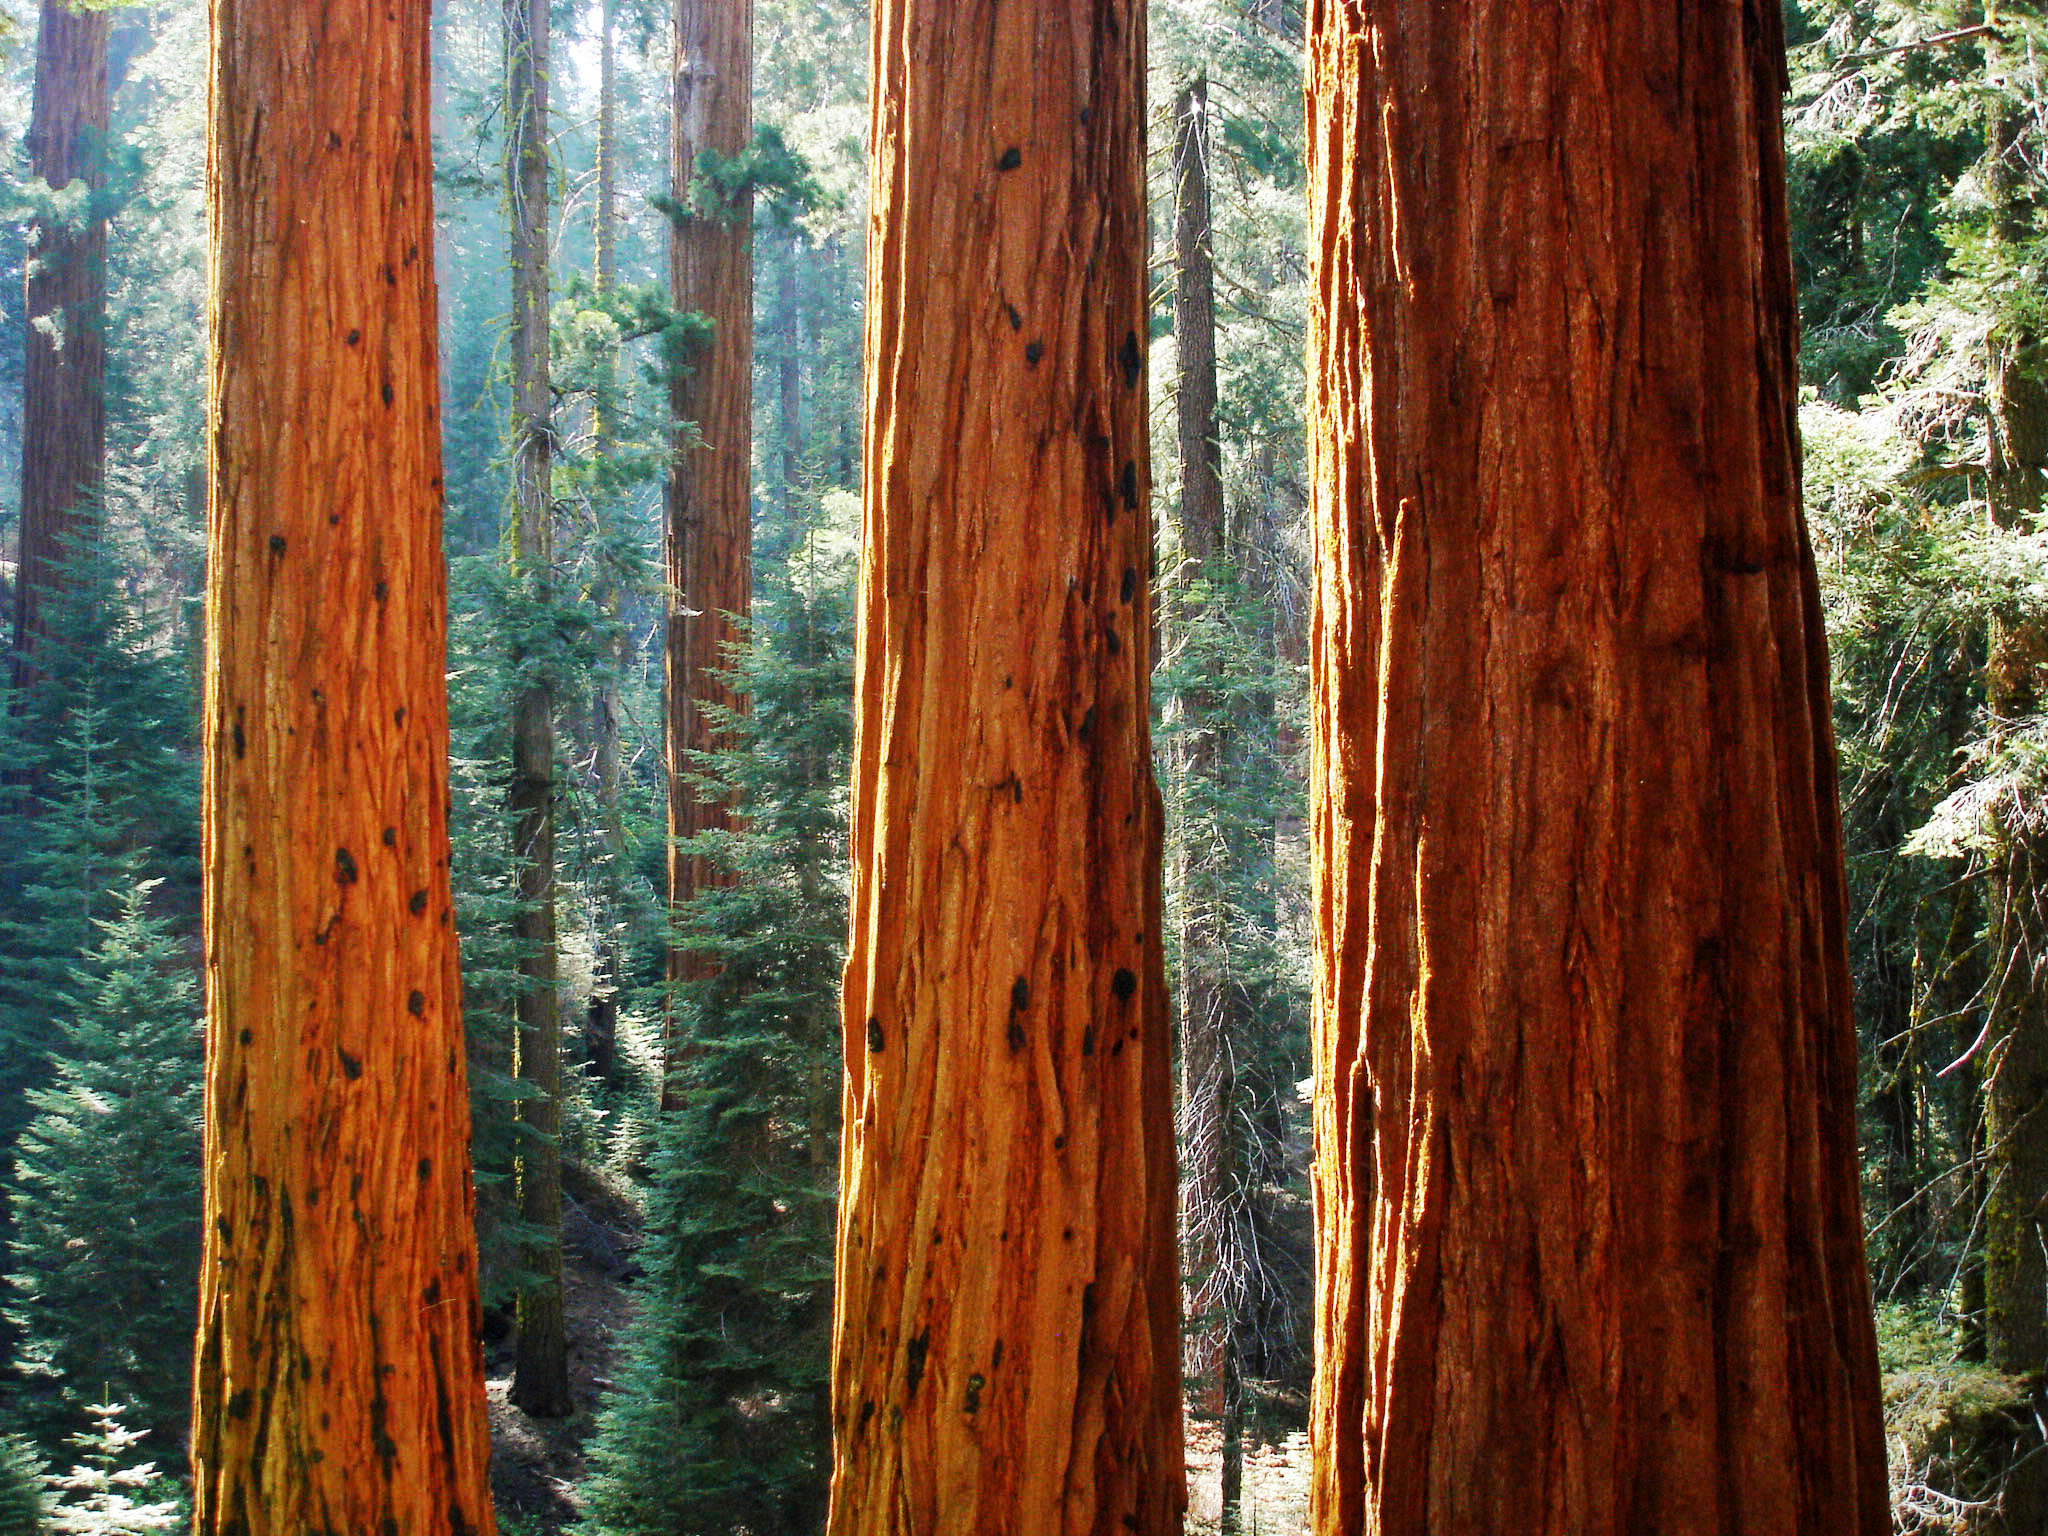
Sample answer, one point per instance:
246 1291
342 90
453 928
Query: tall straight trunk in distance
540 1376
1006 1340
63 405
709 502
339 1386
1591 1259
1211 1004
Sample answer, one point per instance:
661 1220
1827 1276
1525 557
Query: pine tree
24 1507
720 1420
105 1250
107 1492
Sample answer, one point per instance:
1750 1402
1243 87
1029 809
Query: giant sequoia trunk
710 485
1006 1348
63 404
339 1384
540 1374
1586 1176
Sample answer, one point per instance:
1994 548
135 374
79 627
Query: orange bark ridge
1007 1348
1586 1178
339 1382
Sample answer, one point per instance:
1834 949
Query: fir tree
108 1493
23 1507
719 1421
106 1195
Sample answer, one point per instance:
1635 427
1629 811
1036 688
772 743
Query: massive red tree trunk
710 485
1007 1343
1586 1179
63 407
339 1383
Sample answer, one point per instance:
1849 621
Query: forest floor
1275 1484
536 1463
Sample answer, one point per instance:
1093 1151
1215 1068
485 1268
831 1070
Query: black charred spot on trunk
1131 360
972 1401
1130 1522
390 275
398 716
1010 312
913 1362
240 1403
1129 589
1059 1143
354 337
875 1037
248 1036
351 1067
867 1411
241 741
344 867
1066 1234
1012 158
333 139
1017 1038
1117 1049
391 837
277 544
1086 730
1125 985
425 1172
995 1360
1088 1301
1033 352
1088 1041
1127 485
1114 641
418 904
221 1228
1020 995
387 392
382 591
416 1005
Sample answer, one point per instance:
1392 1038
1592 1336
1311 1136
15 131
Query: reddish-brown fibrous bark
710 541
1586 1176
1007 1343
63 395
339 1385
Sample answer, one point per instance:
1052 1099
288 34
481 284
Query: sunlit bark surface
339 1382
1007 1348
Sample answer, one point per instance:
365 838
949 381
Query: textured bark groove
710 541
339 1383
1006 1341
63 406
1590 1251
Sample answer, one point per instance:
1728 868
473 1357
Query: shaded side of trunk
1211 1006
540 1375
710 486
339 1385
1006 1340
64 415
1591 1259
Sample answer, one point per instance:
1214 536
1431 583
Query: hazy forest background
694 1246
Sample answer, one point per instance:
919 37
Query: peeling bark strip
1591 1260
1007 1351
339 1383
63 404
710 542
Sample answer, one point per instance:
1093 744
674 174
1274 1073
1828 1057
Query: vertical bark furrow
1007 1352
1586 1178
339 1381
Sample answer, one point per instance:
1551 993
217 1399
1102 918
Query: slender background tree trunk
710 486
1007 1341
540 1375
339 1382
1591 1258
64 416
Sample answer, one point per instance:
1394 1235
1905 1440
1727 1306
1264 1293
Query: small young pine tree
107 1493
720 1420
105 1197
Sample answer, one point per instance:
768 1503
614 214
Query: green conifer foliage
105 1251
23 1506
108 1492
719 1420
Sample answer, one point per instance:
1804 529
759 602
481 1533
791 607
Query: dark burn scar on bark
913 1363
975 1383
416 1004
1033 352
1012 158
344 867
1125 985
875 1039
1129 589
1127 484
351 1067
418 904
1020 995
277 544
1131 360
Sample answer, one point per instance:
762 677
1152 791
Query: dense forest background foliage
697 1241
